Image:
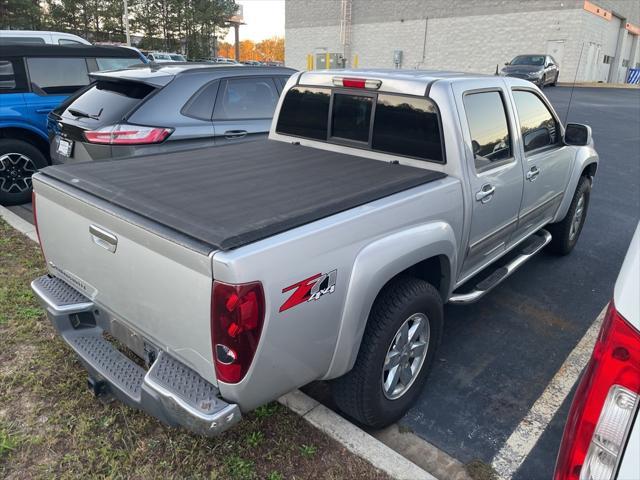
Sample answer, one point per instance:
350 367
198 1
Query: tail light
604 404
237 315
122 134
35 220
347 82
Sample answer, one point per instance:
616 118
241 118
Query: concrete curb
345 433
353 438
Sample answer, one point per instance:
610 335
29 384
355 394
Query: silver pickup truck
199 286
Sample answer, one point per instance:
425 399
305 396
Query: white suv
36 37
602 436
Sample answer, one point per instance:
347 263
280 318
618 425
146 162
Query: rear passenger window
201 104
246 98
304 113
58 75
537 125
7 76
490 139
407 126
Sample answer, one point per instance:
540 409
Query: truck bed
230 196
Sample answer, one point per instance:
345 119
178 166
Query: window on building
407 126
607 59
304 113
246 98
490 139
58 75
538 126
625 63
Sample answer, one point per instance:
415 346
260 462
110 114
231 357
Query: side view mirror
507 63
537 138
577 134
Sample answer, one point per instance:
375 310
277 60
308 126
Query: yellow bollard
355 61
326 61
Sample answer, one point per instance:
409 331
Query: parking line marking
518 446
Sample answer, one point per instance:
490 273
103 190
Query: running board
528 249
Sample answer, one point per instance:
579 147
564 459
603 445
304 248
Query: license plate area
65 147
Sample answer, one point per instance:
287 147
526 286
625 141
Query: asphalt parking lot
499 355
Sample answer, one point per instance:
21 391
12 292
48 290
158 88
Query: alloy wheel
15 172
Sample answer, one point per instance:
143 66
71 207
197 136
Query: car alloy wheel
577 219
405 356
15 172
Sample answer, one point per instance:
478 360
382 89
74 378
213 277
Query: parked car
254 63
34 79
602 436
539 69
326 252
37 37
165 108
164 57
225 60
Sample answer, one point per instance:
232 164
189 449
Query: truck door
547 161
495 174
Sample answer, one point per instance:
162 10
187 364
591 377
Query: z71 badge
310 289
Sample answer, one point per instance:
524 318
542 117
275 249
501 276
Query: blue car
34 79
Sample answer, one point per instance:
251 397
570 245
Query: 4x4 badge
310 289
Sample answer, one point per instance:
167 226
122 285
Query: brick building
600 38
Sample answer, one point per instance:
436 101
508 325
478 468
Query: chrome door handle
533 174
235 133
486 193
103 238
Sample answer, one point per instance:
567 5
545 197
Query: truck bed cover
234 195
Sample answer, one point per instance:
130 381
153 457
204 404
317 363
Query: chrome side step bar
530 247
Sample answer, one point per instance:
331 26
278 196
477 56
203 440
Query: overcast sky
263 18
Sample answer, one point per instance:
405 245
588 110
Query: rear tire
368 393
18 161
555 80
565 233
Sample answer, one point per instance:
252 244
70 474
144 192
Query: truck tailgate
150 287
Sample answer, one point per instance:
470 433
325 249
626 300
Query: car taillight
603 405
127 135
348 82
237 315
35 219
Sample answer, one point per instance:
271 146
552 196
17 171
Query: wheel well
590 170
28 136
435 270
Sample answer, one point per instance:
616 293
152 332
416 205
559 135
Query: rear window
407 126
114 63
106 102
395 124
58 75
305 112
4 40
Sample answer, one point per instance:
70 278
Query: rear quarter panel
366 246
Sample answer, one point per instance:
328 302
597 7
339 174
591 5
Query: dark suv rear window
402 125
106 101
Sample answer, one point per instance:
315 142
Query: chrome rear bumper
169 390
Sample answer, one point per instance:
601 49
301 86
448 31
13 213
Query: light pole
126 22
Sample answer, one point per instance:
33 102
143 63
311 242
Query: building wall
464 35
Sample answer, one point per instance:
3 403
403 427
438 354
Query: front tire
18 161
396 354
565 234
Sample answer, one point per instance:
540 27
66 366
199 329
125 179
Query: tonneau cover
233 195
